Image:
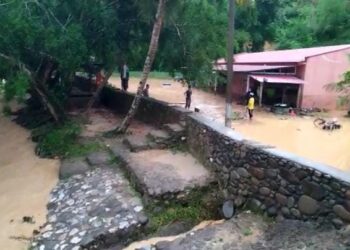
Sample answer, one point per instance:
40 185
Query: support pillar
299 97
248 84
261 93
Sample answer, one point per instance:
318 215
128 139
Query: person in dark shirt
124 76
188 95
145 92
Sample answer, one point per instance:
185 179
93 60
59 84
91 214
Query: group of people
124 76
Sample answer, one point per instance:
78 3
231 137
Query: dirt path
296 135
25 184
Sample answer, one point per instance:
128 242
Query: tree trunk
147 66
98 92
229 61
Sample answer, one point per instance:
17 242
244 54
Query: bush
61 141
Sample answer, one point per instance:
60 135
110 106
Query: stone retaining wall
269 180
255 175
151 111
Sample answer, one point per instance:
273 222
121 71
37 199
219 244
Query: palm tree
153 47
230 56
229 61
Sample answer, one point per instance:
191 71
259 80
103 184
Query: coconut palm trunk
229 61
147 67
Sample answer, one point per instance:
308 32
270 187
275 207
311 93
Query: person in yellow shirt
250 106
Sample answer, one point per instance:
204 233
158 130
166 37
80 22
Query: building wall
320 71
239 86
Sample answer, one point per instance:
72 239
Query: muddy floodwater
294 134
25 184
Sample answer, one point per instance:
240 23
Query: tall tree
229 60
153 46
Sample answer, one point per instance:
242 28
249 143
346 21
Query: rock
301 174
308 205
264 191
243 172
347 205
342 212
74 231
295 213
175 228
272 211
75 240
98 158
347 194
338 224
143 219
271 173
138 209
281 199
228 209
345 232
254 205
72 167
285 211
313 190
234 175
257 173
289 176
239 201
291 202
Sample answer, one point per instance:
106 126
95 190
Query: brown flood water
295 135
25 184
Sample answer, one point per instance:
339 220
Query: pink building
296 77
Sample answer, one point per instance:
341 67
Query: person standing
250 106
145 92
124 75
188 95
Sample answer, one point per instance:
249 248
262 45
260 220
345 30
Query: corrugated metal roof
284 56
278 79
250 68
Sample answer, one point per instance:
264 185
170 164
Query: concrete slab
161 173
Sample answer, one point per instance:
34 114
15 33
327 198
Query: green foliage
247 232
16 87
343 88
200 207
311 23
6 110
61 141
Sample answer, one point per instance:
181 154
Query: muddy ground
294 134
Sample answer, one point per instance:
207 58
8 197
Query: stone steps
161 174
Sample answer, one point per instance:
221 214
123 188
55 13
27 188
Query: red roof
284 56
278 79
250 68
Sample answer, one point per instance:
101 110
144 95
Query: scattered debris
327 124
28 219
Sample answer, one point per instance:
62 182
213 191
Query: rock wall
151 111
253 175
269 180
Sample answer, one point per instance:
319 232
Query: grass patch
200 206
61 141
6 110
247 232
153 74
